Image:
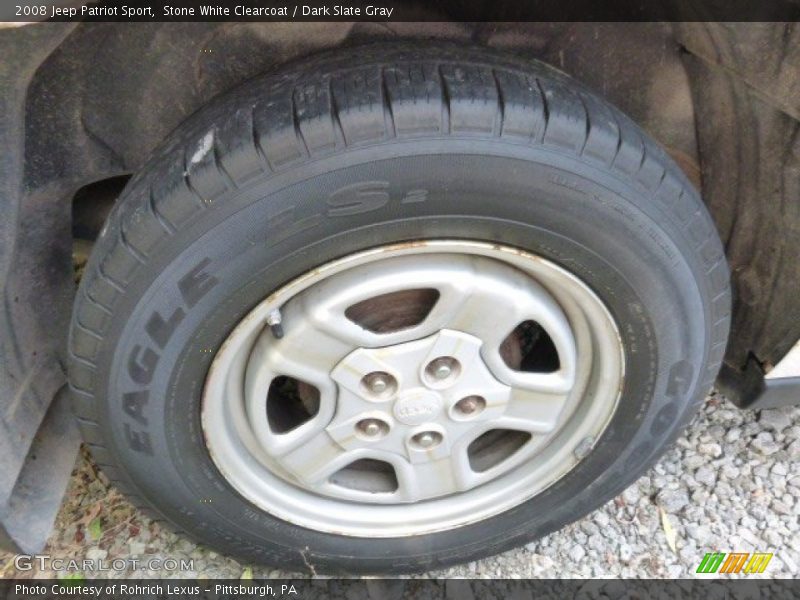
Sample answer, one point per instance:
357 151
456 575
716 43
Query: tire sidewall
584 218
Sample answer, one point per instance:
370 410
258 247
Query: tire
325 159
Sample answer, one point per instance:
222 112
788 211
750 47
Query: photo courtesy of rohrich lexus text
401 298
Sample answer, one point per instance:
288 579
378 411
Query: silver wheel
412 388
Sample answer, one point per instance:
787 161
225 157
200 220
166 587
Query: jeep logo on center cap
417 407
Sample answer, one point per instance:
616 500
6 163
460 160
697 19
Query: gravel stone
596 542
631 495
625 552
729 483
706 476
710 449
577 552
672 500
776 419
781 507
699 533
723 490
779 469
695 461
765 444
794 450
733 435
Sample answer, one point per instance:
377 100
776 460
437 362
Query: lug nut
372 428
471 405
442 371
378 382
442 368
427 439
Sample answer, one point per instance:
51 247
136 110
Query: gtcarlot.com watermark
45 562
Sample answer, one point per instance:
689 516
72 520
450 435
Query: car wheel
398 315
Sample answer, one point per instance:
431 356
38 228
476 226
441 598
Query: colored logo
734 562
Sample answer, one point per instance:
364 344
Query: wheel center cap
413 412
417 406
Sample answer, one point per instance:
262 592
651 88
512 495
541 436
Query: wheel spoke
447 475
328 302
292 356
501 299
315 459
532 411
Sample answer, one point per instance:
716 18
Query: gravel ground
731 483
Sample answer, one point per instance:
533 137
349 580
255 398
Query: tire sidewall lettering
192 287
